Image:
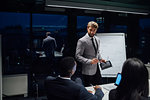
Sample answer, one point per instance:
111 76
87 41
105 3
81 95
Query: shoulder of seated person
50 78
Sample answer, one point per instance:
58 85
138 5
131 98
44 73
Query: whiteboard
112 47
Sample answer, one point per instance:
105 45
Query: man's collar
89 36
65 78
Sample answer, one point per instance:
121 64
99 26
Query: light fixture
97 9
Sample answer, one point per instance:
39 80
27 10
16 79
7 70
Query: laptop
113 85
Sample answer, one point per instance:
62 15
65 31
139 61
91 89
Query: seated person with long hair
63 88
134 84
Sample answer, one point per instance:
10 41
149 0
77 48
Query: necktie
94 45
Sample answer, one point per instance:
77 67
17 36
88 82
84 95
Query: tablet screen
118 79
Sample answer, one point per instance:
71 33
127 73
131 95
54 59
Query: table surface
56 54
106 88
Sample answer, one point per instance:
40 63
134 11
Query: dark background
23 24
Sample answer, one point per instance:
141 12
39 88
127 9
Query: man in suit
87 53
63 88
49 45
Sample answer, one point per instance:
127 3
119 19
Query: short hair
92 24
66 65
134 80
48 33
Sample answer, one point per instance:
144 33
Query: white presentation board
112 47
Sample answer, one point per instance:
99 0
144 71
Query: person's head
134 77
67 67
92 28
48 34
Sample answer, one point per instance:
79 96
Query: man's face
91 31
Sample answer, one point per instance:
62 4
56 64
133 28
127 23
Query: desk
106 88
58 54
42 54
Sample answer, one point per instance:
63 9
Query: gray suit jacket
85 53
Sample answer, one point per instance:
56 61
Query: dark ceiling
142 4
22 5
137 2
39 5
129 2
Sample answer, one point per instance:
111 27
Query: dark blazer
49 46
113 92
64 89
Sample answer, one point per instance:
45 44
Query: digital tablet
118 79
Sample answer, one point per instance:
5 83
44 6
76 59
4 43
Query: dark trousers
89 80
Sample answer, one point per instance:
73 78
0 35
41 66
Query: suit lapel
90 41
